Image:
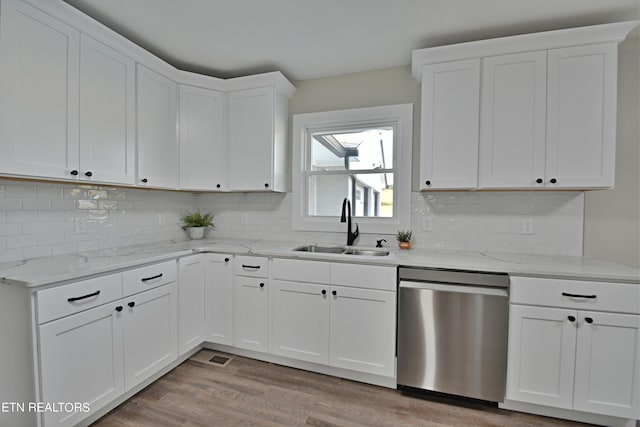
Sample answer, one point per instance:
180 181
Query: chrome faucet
346 217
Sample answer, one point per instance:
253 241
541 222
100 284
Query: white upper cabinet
258 123
513 120
202 144
449 125
547 110
156 118
39 59
581 115
107 114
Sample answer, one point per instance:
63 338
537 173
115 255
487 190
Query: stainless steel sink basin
320 249
365 252
341 250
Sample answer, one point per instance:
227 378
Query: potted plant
404 239
196 223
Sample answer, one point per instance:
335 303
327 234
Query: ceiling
309 39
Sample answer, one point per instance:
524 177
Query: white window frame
399 116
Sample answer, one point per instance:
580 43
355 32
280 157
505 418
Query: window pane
352 150
371 195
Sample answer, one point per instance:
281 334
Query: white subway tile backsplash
37 219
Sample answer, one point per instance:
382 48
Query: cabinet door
218 297
541 355
203 149
608 364
250 313
150 333
449 125
513 120
251 138
581 116
300 321
156 119
107 114
81 360
363 330
190 302
39 59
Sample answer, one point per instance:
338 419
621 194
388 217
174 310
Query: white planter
196 233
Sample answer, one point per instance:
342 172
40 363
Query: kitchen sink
320 249
341 250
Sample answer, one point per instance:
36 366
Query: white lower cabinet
250 313
363 330
81 360
150 333
342 325
96 353
191 302
575 357
218 298
300 321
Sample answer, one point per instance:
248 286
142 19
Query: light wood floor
247 392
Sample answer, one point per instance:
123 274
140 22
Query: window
362 154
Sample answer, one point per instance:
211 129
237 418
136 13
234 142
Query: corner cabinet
547 110
202 143
157 148
575 345
258 124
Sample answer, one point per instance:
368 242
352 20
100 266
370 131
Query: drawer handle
146 279
262 285
565 294
254 267
588 320
94 294
226 260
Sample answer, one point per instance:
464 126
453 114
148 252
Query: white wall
612 217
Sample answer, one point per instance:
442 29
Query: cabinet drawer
301 271
576 294
61 301
364 276
253 266
151 276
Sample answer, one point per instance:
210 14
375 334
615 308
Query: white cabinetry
449 125
251 304
39 63
191 302
513 120
202 144
94 344
581 116
218 298
547 110
258 124
107 114
363 330
575 345
150 333
156 118
340 323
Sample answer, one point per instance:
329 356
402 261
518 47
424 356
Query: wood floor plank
249 392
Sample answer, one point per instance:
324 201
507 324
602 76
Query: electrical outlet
527 226
1 190
162 219
244 218
80 225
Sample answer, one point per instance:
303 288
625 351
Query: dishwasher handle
452 287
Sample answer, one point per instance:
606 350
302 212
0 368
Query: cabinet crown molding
604 33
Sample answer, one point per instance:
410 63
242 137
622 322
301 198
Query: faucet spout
346 217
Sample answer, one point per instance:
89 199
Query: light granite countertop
45 271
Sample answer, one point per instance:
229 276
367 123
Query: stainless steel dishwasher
452 332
